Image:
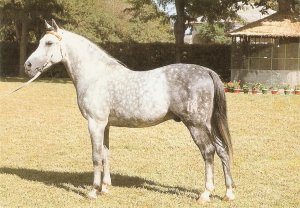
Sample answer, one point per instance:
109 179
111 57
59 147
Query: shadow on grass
77 182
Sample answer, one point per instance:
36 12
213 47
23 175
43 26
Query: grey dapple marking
109 94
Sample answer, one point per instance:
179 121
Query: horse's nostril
29 64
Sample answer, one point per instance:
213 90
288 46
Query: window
257 53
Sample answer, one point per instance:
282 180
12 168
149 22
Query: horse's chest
94 102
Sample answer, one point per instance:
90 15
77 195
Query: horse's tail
220 129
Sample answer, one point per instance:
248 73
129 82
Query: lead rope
40 70
31 80
23 85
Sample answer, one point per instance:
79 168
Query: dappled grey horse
109 94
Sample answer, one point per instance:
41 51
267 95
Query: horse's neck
85 62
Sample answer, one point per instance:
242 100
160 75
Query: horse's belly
136 122
139 115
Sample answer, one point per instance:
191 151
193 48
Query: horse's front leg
96 129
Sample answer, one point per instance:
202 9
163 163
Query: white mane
87 45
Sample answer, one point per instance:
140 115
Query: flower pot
226 89
264 91
274 92
287 92
246 91
297 92
254 92
237 90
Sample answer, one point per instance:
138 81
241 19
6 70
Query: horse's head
49 51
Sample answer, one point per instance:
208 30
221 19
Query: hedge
137 56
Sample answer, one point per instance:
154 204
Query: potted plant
230 86
246 88
297 90
274 89
264 89
225 87
287 89
236 86
255 88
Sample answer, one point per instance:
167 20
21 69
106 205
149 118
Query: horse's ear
47 26
54 25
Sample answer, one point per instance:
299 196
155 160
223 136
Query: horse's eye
49 43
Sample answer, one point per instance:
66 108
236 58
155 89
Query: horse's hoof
203 200
204 197
104 192
92 194
104 189
228 198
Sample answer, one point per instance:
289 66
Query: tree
98 20
286 6
188 10
283 6
25 16
212 33
147 23
212 10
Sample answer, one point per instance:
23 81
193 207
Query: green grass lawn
46 154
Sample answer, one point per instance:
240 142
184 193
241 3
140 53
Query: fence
136 56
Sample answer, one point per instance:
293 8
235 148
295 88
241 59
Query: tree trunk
23 44
1 52
286 6
179 28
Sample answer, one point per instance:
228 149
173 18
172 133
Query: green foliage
15 12
148 23
114 21
267 4
246 86
286 86
98 20
212 11
89 19
256 86
212 33
104 21
209 9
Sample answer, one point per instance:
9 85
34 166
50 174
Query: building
267 50
247 14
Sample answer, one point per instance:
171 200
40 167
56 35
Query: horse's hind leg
106 173
202 137
224 156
